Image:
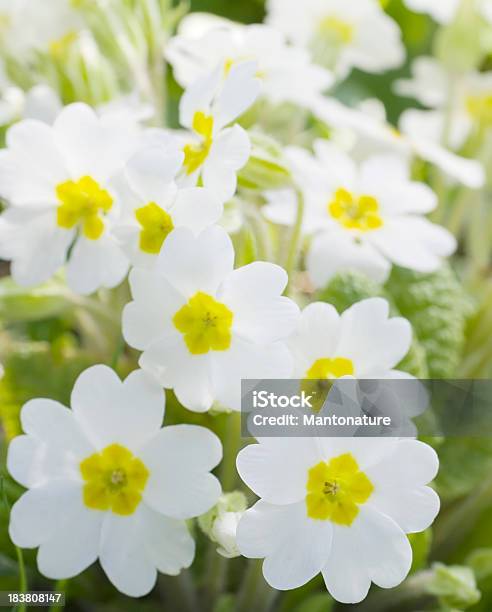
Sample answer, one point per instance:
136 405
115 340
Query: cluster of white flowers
95 193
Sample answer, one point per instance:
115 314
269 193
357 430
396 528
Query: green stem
294 247
247 595
117 353
59 587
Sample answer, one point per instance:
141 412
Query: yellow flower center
327 368
81 203
338 30
335 490
480 108
114 480
156 224
205 324
355 212
196 154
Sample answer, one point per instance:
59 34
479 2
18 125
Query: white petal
167 541
295 547
38 513
196 208
123 556
179 459
278 471
371 339
193 264
240 90
198 97
94 264
332 253
247 360
151 171
412 509
254 294
412 462
108 410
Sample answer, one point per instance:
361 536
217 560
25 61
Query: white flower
445 11
59 182
206 108
30 25
339 506
153 206
203 326
467 97
373 130
341 34
106 482
364 217
363 341
285 72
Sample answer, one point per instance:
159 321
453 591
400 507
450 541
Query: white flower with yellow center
285 72
341 34
29 25
363 217
153 205
106 482
216 152
467 98
203 326
59 183
363 342
369 125
339 506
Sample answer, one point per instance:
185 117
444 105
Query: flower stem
59 587
293 252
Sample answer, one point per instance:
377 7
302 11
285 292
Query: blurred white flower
102 482
339 506
461 102
341 34
363 341
373 129
30 25
285 72
152 205
59 182
203 326
364 217
445 11
217 152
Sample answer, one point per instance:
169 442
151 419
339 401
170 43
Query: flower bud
454 585
220 523
266 168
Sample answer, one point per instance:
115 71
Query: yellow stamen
114 480
355 212
156 225
205 324
335 490
327 368
81 203
341 31
196 154
480 108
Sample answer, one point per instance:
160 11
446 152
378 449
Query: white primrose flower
59 182
467 97
30 25
106 482
363 342
445 11
365 217
203 326
216 152
373 130
341 34
339 506
285 72
153 205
